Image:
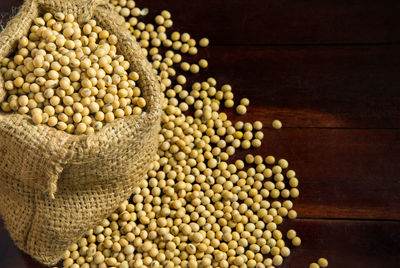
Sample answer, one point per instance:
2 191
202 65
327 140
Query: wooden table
329 70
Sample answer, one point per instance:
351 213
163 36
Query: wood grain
342 173
346 244
328 87
277 22
284 21
329 70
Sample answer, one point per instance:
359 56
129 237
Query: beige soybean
68 69
195 208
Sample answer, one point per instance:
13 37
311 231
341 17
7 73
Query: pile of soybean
70 76
197 206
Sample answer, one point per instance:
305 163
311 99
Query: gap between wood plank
347 219
305 44
329 128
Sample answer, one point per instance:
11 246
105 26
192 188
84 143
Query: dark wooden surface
329 70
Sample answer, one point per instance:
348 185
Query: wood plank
347 87
278 22
343 243
342 173
329 87
284 22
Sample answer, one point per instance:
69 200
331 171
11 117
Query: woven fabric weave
55 186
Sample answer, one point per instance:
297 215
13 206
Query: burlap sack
55 186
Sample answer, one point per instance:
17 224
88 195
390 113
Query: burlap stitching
24 169
87 191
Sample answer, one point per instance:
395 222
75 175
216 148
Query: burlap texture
55 186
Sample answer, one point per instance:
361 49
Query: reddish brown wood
284 21
279 22
342 173
339 87
345 244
